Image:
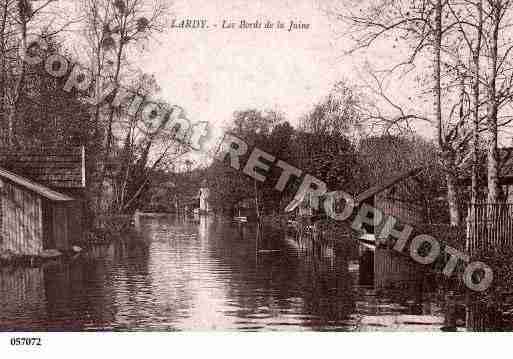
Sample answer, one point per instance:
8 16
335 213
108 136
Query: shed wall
62 224
22 230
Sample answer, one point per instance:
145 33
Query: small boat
240 219
263 251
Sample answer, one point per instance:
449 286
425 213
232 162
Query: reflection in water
366 266
209 274
21 293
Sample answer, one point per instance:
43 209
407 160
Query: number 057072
26 341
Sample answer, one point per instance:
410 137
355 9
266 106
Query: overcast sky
213 72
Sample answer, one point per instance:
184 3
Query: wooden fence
489 227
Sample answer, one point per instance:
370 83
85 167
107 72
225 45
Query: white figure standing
204 194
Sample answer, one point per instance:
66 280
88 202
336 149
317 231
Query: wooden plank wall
392 269
60 225
22 230
75 223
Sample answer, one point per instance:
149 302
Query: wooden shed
34 217
399 196
396 196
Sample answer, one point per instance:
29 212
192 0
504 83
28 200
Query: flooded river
210 275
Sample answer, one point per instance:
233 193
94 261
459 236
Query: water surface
210 275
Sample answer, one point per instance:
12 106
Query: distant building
399 196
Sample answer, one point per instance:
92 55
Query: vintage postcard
247 166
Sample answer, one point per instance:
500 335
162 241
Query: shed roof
56 167
380 187
34 187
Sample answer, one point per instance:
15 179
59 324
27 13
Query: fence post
468 231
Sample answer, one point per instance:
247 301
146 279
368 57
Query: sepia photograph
233 166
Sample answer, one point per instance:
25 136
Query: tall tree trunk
493 183
476 53
15 98
110 119
437 44
128 158
452 198
3 69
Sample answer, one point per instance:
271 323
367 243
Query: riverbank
8 258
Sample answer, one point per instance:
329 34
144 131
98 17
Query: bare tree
480 26
111 28
419 25
497 11
18 18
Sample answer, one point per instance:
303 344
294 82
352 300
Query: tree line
460 49
329 142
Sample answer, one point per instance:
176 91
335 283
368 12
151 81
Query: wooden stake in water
137 219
